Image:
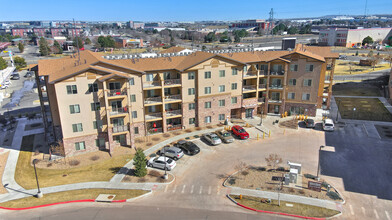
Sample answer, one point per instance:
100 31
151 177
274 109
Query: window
149 77
136 130
305 96
191 75
309 67
294 67
100 142
207 90
192 106
77 127
95 106
222 102
74 109
207 119
234 71
277 68
292 82
132 81
133 98
114 85
72 89
207 105
307 82
134 114
192 121
97 124
233 86
191 91
233 100
93 87
245 68
291 95
207 75
222 88
222 73
221 117
80 145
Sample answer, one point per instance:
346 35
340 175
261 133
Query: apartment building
352 37
99 102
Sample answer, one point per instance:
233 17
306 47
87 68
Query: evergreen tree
43 47
367 40
3 63
140 163
77 41
57 46
19 62
87 41
21 47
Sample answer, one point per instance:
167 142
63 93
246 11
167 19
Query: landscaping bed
371 109
355 89
71 196
3 161
260 178
72 170
33 126
153 176
285 207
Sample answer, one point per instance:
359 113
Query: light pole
318 166
39 193
354 112
337 110
164 155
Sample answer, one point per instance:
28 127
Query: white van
328 125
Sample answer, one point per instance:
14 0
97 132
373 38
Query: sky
195 10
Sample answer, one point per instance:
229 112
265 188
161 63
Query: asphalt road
364 76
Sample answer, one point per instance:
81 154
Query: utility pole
77 41
365 9
271 19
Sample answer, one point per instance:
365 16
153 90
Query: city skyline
189 11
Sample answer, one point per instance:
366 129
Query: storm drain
385 132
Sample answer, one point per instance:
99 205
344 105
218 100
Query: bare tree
240 165
273 160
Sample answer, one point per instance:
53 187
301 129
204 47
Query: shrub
141 180
244 172
333 195
140 163
156 138
291 190
261 169
301 191
74 162
209 127
166 135
324 184
231 181
198 128
152 155
94 158
269 187
187 138
149 144
19 115
160 180
188 130
310 176
177 133
196 136
49 165
127 178
154 173
280 169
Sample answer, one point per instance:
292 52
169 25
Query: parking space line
351 209
167 186
175 187
201 189
363 210
387 214
193 186
209 190
375 213
183 189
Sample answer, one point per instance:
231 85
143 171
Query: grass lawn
343 68
296 209
352 90
366 109
72 195
100 171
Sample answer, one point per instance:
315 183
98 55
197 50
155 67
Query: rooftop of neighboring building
172 50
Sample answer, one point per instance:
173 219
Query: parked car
225 136
239 132
172 152
328 125
161 163
309 123
343 57
212 138
15 76
29 74
188 147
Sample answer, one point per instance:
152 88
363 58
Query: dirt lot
349 68
355 89
371 109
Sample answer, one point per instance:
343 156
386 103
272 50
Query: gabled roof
112 75
172 50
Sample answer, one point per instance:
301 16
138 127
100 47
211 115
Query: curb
141 196
276 213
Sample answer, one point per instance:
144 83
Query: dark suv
188 147
15 76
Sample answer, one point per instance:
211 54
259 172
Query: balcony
173 113
262 73
248 88
116 92
325 94
154 131
118 111
173 98
174 127
278 73
120 128
250 74
172 82
153 116
276 87
327 80
153 100
261 99
151 84
262 86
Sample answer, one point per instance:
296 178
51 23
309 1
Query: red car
239 132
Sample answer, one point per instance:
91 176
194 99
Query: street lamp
164 155
354 112
39 193
318 166
337 110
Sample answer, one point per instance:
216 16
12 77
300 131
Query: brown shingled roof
172 50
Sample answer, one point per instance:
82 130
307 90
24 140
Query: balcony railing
250 74
151 84
261 99
275 101
262 72
173 113
172 98
279 73
169 82
154 130
152 100
276 87
152 116
174 127
249 88
120 128
116 92
262 86
117 111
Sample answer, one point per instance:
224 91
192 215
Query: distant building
55 32
73 32
45 23
40 32
259 23
176 50
352 37
22 32
122 42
